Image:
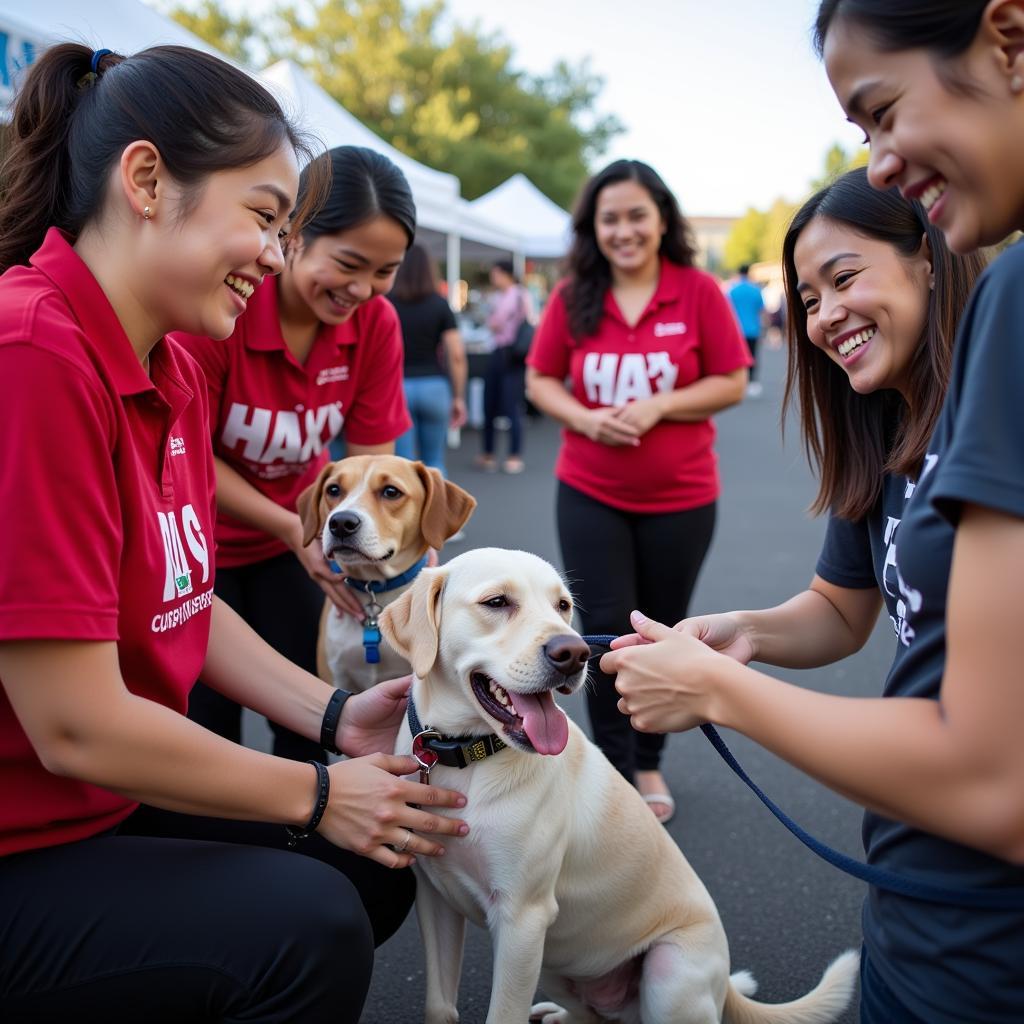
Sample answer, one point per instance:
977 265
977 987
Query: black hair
416 279
943 27
590 276
852 439
71 122
507 267
364 185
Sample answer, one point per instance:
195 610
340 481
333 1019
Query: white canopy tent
451 226
125 26
544 228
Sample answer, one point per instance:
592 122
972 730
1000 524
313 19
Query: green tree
450 98
838 161
745 240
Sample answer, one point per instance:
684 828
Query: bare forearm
551 397
902 758
156 756
703 398
239 499
243 667
458 364
806 631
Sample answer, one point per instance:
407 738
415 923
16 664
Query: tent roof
124 26
542 225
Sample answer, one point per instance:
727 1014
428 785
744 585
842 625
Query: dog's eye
496 602
563 605
332 490
391 493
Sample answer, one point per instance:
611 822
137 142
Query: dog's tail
822 1005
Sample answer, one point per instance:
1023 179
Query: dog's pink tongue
544 721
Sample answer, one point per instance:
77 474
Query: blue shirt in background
748 303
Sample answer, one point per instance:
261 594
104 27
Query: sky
724 98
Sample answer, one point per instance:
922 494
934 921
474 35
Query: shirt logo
178 575
667 330
177 446
613 379
332 374
281 435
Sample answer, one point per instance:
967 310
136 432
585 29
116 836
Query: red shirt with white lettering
272 417
107 485
687 332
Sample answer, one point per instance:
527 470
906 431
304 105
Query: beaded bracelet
323 781
332 716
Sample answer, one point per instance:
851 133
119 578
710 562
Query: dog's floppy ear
446 509
307 504
411 623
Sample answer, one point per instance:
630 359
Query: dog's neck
402 562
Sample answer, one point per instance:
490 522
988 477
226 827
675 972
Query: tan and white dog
376 516
580 887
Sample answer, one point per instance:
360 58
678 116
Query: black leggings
281 603
616 561
503 396
171 918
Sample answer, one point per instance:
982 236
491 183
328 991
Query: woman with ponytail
144 865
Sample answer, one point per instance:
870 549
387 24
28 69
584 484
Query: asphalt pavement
786 913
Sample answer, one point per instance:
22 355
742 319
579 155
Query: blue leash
999 899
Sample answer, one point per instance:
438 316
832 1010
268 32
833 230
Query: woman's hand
457 416
369 810
724 633
370 720
331 583
667 680
604 426
642 414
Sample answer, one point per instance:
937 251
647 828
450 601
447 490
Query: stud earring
146 213
1016 84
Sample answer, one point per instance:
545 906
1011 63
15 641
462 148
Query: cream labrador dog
580 888
376 516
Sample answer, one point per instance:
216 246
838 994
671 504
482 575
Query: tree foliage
448 96
757 236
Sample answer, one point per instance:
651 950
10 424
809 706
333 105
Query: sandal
663 817
488 463
514 464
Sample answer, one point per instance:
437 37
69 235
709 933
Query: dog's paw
549 1013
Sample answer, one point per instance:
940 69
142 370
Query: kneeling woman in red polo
144 863
652 351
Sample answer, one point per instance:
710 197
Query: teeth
856 341
931 194
240 285
502 697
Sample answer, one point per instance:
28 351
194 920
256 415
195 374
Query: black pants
503 396
616 561
171 919
752 344
281 603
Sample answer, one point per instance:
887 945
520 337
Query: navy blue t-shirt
861 553
947 964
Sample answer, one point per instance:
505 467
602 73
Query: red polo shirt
687 331
107 486
272 417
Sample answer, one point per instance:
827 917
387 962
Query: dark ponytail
71 122
363 184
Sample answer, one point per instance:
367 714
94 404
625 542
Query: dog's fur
395 510
580 887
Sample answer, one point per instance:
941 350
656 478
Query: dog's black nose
567 653
344 524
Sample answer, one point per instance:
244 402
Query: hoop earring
146 213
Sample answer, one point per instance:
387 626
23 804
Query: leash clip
425 757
